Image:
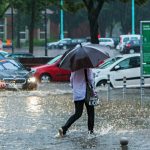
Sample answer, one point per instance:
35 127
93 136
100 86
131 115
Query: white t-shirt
78 83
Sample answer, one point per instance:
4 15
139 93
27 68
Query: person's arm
71 80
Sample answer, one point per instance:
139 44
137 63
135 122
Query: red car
51 71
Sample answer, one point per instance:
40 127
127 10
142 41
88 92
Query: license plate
14 85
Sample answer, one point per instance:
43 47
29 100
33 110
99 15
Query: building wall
53 31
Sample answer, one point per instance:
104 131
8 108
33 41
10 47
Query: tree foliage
93 8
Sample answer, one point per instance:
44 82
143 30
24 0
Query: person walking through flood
78 83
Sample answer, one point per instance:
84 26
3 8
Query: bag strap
86 78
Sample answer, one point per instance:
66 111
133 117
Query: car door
128 68
62 75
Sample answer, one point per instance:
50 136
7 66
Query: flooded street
29 120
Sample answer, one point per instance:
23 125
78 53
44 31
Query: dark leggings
78 113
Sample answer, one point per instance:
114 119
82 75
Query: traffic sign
145 47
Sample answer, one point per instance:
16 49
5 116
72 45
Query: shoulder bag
91 97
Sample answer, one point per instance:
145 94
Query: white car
128 66
108 42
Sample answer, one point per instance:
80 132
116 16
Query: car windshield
6 65
133 42
52 61
108 62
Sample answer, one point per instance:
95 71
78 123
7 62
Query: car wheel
103 83
45 78
52 46
64 47
108 46
132 51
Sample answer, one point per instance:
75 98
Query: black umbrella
83 57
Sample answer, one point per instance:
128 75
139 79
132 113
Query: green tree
33 8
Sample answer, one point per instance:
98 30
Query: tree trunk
102 27
94 8
93 28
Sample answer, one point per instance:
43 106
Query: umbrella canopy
82 57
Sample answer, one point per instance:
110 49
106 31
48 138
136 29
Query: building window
2 28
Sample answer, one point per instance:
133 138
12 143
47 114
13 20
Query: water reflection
34 106
30 119
2 109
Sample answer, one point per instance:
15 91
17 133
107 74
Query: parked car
116 41
128 66
125 38
15 75
77 41
106 63
20 55
132 46
59 44
109 42
51 71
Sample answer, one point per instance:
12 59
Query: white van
125 38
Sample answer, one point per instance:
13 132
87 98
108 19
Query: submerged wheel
103 83
29 86
45 78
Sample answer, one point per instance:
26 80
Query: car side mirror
117 67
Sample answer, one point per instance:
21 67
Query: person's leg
78 112
91 114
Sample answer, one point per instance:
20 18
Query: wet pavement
29 120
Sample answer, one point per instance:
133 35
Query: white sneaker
60 133
91 135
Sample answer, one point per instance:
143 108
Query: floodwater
29 120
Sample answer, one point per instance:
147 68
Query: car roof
124 57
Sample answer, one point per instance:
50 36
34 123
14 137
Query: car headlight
32 80
33 70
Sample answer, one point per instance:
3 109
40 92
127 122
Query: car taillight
128 45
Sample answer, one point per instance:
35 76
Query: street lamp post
61 21
133 16
45 20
